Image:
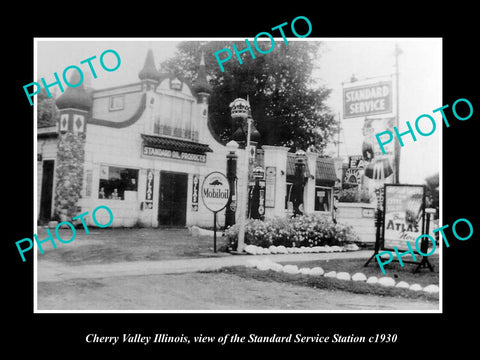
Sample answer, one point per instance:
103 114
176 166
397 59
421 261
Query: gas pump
256 195
299 182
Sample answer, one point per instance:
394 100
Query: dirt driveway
206 291
118 269
112 245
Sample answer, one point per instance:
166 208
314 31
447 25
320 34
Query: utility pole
397 52
338 136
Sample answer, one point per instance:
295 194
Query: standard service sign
215 191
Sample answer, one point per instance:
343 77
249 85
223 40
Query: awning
175 144
325 173
291 165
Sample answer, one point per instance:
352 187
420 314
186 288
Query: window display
114 181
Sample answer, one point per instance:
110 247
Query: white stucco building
147 146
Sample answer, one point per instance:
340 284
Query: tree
47 113
432 192
287 106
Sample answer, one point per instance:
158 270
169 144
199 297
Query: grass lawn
423 277
103 246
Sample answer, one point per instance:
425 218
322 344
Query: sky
420 81
420 92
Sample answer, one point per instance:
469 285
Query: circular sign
261 210
215 191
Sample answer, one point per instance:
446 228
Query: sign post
367 100
402 219
215 194
374 103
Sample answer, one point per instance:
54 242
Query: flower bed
300 231
280 249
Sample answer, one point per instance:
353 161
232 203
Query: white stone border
257 250
268 264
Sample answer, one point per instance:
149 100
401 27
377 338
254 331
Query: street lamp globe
258 172
239 108
300 157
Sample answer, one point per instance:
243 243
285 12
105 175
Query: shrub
348 195
353 194
305 230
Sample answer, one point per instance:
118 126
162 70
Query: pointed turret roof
149 71
75 97
201 84
240 134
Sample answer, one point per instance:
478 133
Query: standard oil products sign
364 100
171 154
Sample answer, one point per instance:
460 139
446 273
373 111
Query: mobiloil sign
215 194
215 191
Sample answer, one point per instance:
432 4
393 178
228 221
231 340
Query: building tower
74 107
149 74
202 89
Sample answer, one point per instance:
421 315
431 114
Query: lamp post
396 175
241 109
243 202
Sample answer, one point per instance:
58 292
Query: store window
116 102
163 120
323 198
174 117
187 115
117 183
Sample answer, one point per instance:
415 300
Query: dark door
46 191
172 205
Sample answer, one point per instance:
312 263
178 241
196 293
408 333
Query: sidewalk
53 271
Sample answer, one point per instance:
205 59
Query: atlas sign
215 191
365 100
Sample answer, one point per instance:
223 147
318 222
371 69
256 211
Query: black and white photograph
203 180
245 175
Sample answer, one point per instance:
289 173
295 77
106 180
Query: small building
143 150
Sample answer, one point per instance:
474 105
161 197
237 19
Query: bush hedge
353 195
305 230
